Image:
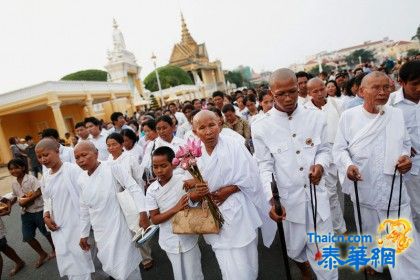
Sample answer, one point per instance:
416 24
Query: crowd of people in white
306 134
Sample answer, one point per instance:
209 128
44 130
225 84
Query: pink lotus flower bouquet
186 157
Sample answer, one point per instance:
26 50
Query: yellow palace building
61 104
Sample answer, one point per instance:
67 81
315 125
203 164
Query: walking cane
359 217
314 208
390 196
279 212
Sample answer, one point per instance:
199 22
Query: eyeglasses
282 94
378 88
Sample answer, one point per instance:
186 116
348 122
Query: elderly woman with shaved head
290 142
63 216
99 209
372 144
234 182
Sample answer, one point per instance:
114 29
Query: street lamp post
158 79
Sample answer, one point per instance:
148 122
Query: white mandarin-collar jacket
287 146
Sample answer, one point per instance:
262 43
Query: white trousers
332 184
413 189
407 264
187 265
298 247
135 275
80 277
239 263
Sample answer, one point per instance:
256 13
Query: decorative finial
185 33
114 23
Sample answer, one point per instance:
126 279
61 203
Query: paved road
271 265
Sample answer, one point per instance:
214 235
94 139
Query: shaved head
86 156
371 76
204 114
206 125
375 89
47 144
85 145
282 74
314 82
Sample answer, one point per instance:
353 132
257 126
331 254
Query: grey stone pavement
270 260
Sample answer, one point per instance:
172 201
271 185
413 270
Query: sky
45 40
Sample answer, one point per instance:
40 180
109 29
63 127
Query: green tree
169 76
87 75
153 102
413 52
235 77
417 36
325 68
365 56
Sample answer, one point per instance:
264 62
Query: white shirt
67 154
370 158
99 208
159 142
130 163
63 193
137 151
100 144
163 198
181 118
230 163
332 114
303 100
411 112
182 129
287 146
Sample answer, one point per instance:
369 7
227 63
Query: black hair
194 100
358 79
116 136
28 137
19 163
302 74
263 93
129 134
93 120
135 123
228 108
12 140
172 104
216 111
218 93
115 116
357 69
50 132
251 98
187 107
79 124
337 89
166 119
348 86
410 71
150 124
194 112
165 151
253 90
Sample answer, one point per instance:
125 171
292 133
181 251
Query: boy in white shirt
165 197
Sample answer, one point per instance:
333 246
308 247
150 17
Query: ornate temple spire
185 33
118 38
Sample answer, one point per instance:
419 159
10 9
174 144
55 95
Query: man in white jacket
290 142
